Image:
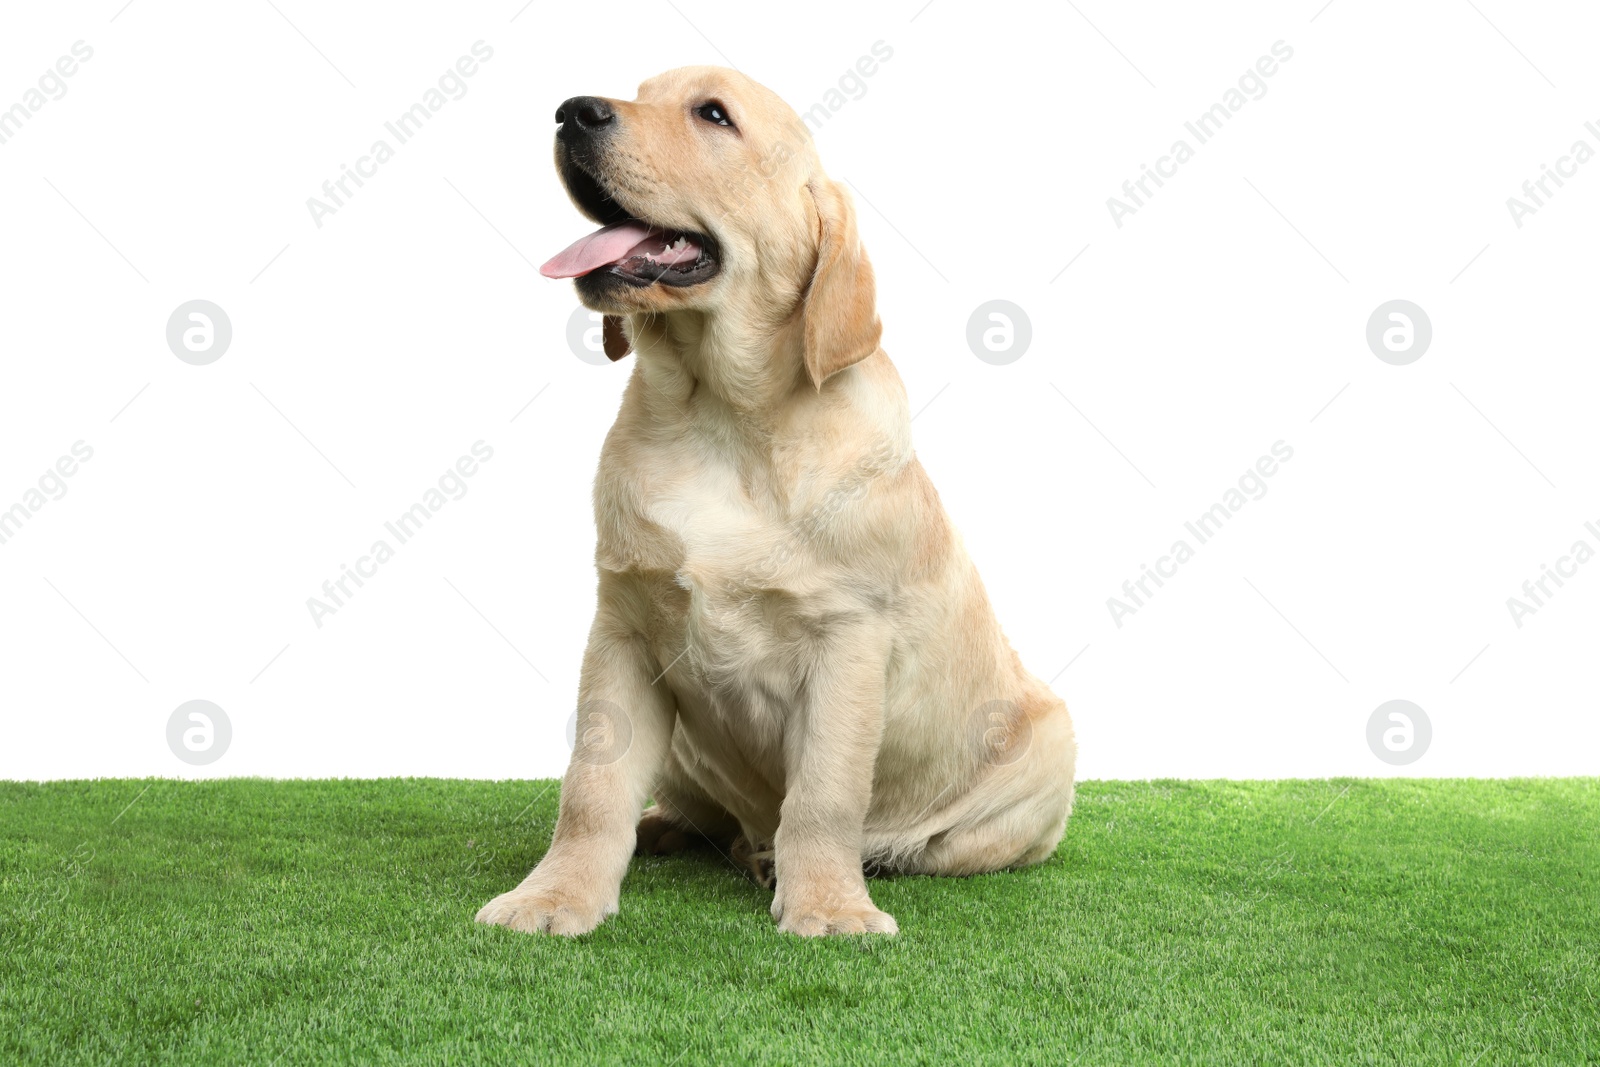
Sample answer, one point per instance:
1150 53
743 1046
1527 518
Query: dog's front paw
818 910
535 907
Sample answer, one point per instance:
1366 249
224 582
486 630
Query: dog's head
712 200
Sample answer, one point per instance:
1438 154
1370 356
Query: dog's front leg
625 718
829 756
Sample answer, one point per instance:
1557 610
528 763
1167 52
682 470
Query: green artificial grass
320 922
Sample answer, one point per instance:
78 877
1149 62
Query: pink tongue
601 248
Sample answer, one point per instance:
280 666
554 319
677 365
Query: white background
1224 316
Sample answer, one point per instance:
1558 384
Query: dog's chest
732 584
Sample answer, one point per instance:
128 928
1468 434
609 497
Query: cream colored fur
797 655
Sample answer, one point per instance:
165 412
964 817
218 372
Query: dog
792 653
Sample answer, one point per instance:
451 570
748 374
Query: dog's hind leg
682 812
1014 817
757 859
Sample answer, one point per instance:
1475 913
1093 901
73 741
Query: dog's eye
715 113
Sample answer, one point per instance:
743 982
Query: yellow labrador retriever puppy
792 653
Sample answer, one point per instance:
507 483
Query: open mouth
639 253
633 250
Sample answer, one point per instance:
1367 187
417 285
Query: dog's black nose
584 116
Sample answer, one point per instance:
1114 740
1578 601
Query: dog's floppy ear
612 338
840 308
